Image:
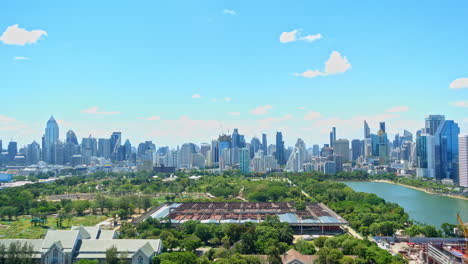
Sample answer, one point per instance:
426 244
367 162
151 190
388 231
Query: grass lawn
22 227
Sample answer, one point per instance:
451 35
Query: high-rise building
366 130
432 123
235 138
244 160
215 152
332 137
264 144
425 160
198 161
255 146
446 151
33 153
280 149
12 150
341 148
204 148
224 142
185 154
128 149
382 127
463 160
50 138
356 149
115 144
315 150
298 156
71 137
104 148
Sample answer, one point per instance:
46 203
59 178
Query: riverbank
461 197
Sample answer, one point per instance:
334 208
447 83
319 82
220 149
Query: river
422 207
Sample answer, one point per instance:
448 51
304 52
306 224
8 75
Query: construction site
314 218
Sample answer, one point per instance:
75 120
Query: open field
22 228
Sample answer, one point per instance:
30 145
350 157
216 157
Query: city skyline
218 67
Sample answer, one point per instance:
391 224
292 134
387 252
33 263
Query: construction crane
464 228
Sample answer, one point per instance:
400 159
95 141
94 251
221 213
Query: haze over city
176 73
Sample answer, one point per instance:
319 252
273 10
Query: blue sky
179 71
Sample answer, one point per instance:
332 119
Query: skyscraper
463 160
280 149
50 138
254 146
12 150
332 136
185 153
425 156
104 148
446 151
264 144
341 148
115 143
382 127
366 130
432 123
244 160
356 149
71 137
33 155
235 138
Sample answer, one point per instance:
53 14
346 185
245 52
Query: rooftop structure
314 215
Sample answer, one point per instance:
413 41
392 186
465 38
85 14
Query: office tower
244 160
338 159
128 149
332 137
225 158
425 156
356 149
255 146
204 148
383 149
224 142
51 136
12 150
368 147
198 161
242 142
235 159
215 152
366 130
375 145
298 156
185 154
315 150
88 148
326 151
446 151
463 160
58 153
235 138
33 155
382 127
407 135
264 144
432 123
104 148
329 167
71 137
1 147
341 148
115 142
280 149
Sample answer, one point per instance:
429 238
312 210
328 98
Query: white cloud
461 104
229 12
227 99
95 111
398 109
459 83
20 58
214 100
234 113
334 65
301 108
286 37
294 35
14 35
312 38
261 110
6 119
196 96
311 115
153 118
